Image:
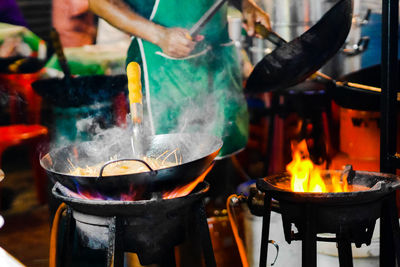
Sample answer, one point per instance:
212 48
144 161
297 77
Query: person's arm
175 42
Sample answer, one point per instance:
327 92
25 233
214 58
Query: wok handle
55 37
271 36
153 172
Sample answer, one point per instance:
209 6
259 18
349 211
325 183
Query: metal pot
363 45
79 91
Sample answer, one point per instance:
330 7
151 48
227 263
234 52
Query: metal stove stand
344 238
150 228
389 236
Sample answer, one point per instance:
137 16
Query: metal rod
386 248
68 239
115 252
389 69
345 253
152 172
205 18
393 209
208 252
265 231
309 246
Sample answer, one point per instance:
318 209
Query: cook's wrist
160 33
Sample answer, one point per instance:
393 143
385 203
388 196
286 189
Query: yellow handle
134 83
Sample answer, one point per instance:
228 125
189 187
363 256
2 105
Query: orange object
360 133
134 82
19 134
340 160
238 239
54 234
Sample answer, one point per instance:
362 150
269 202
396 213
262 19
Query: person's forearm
121 16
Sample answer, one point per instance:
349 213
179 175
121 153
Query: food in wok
122 167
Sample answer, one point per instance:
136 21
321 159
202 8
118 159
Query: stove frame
150 228
344 238
317 213
389 161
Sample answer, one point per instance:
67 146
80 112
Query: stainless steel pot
357 52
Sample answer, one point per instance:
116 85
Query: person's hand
176 42
253 14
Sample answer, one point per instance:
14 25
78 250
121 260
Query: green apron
199 93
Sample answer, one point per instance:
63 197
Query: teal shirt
200 93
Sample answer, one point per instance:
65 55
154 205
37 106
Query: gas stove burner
363 187
107 208
350 216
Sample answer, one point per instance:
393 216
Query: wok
198 152
296 60
22 64
78 91
349 92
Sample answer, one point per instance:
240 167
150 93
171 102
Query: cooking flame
306 177
136 192
186 189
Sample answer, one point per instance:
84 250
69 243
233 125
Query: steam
114 143
193 110
200 118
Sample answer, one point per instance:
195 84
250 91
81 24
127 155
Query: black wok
21 64
82 90
296 60
198 152
354 96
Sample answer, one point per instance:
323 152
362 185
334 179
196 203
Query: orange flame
306 177
186 189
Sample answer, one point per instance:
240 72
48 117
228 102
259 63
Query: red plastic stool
21 134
